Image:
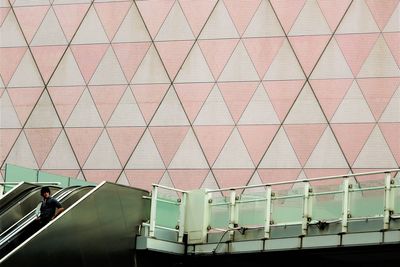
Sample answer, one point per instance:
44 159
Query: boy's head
44 190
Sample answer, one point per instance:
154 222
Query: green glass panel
18 174
396 200
219 217
251 213
287 210
47 177
73 182
167 214
327 207
367 203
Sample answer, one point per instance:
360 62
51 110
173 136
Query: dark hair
44 190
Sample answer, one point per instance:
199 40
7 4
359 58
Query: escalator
97 228
18 202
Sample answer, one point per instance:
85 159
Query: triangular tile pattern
238 70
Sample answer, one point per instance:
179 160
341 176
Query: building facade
200 93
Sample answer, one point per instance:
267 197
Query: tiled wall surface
200 93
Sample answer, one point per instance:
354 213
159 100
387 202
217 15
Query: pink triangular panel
29 18
391 132
212 139
287 11
371 180
41 141
149 97
356 48
3 14
143 178
47 58
308 49
173 54
98 176
106 99
88 57
330 93
65 99
352 137
382 11
262 52
188 179
257 138
192 96
241 12
154 13
304 138
168 140
24 99
217 53
130 55
197 12
333 11
279 175
282 94
232 177
82 141
124 140
378 92
70 17
112 15
393 40
237 95
316 173
10 58
7 139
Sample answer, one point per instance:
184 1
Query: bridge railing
302 202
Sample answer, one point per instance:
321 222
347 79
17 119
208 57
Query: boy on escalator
49 208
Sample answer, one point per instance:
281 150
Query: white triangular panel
189 154
43 115
10 28
327 153
123 180
264 23
279 69
21 154
310 21
108 71
254 180
61 155
210 183
50 32
380 62
332 64
358 19
170 111
132 28
392 111
306 109
103 155
234 154
146 155
151 69
175 26
219 25
280 154
85 113
259 110
30 2
353 108
127 113
375 153
26 74
80 176
393 24
8 116
239 67
91 30
67 72
195 68
214 111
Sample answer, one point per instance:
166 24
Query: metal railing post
268 209
153 211
388 201
306 209
345 207
232 212
182 214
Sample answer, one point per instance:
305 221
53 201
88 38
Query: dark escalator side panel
98 230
